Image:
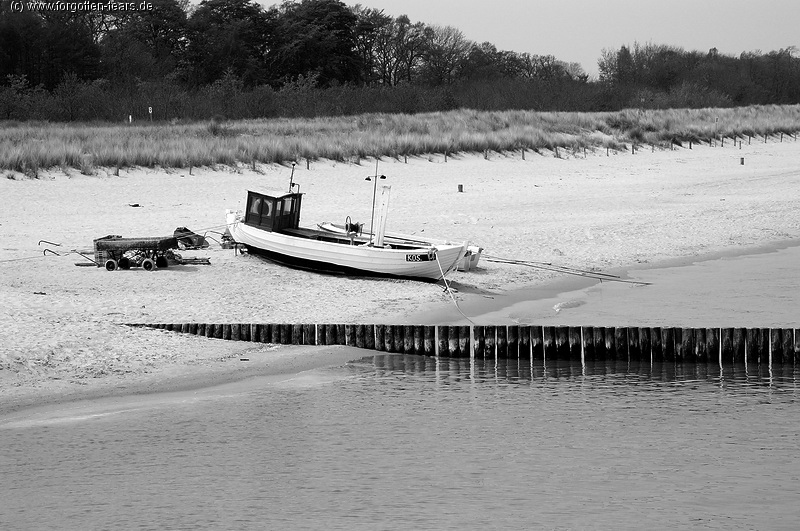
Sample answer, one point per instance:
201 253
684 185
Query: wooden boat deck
328 236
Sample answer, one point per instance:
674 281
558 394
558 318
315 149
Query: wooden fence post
380 337
408 339
684 345
452 342
389 339
512 340
621 340
443 343
479 341
525 342
712 345
668 345
369 337
418 338
589 342
490 334
309 334
796 355
285 334
575 342
297 334
726 345
464 341
397 338
645 345
360 336
655 344
739 345
537 343
429 340
501 342
562 342
330 334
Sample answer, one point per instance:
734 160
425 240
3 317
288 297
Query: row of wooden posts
634 148
574 343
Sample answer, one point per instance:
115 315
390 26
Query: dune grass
31 147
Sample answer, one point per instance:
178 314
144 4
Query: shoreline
554 288
262 360
269 360
62 332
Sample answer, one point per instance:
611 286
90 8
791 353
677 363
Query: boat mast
291 178
382 215
374 191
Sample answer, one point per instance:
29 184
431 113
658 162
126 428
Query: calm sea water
405 442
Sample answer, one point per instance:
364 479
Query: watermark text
59 6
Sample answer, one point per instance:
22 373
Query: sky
578 30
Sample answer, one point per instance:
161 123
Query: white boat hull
420 262
468 262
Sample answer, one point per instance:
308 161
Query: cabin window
260 210
287 205
255 206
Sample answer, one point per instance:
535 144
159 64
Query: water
750 291
405 442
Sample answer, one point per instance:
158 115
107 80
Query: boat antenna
291 177
374 191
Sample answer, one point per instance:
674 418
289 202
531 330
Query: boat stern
450 257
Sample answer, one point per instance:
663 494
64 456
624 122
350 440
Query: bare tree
446 50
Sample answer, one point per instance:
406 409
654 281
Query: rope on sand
449 290
547 266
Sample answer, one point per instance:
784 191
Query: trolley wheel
111 265
161 261
124 263
148 265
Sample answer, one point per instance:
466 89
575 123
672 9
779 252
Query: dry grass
29 147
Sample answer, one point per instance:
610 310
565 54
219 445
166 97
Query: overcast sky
578 30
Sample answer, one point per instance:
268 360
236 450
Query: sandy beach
63 332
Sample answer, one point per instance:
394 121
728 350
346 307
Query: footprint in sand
568 304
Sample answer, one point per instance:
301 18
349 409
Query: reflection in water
524 372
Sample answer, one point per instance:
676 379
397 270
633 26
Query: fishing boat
270 226
467 263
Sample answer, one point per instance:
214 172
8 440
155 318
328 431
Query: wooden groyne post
576 344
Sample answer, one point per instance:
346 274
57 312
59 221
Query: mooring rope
546 266
449 291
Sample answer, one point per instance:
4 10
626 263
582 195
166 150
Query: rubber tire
148 265
124 263
161 261
111 265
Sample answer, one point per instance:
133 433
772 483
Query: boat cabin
273 213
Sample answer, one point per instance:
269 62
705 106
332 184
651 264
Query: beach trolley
116 252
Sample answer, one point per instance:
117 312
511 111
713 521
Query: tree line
237 59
